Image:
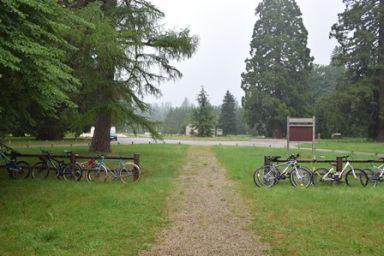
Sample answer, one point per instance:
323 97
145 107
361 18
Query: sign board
301 130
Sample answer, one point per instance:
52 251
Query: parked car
113 135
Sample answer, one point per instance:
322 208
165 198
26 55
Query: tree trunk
101 141
277 130
380 77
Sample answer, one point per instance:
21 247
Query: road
272 143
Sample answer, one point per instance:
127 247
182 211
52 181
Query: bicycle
376 174
16 169
73 170
97 170
351 176
42 169
269 175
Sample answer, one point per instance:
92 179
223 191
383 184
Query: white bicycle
352 176
376 174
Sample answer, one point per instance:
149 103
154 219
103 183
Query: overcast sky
225 29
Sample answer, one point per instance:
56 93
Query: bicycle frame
291 166
339 174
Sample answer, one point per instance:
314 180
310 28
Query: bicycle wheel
129 172
318 174
300 177
98 174
256 177
40 170
356 177
77 172
268 176
67 172
22 170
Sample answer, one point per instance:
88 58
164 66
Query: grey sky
225 28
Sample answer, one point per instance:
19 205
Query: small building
189 130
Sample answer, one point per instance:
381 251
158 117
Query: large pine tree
360 32
275 80
203 116
228 118
123 58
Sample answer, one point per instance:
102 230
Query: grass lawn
325 220
52 217
22 142
215 138
357 145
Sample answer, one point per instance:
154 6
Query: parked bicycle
376 174
269 175
16 169
97 170
352 176
42 169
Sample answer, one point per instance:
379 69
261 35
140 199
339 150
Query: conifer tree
227 119
360 33
275 80
124 57
203 115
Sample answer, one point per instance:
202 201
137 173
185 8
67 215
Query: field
52 217
330 220
214 138
352 145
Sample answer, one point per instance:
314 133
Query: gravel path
207 215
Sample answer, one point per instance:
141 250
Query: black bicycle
16 169
42 169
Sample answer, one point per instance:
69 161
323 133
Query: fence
339 161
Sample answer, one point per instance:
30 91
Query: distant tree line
203 116
281 80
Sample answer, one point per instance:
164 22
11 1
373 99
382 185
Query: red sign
301 133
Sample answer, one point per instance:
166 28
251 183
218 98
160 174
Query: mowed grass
325 220
24 142
52 217
352 145
196 138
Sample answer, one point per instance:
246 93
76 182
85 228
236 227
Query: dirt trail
207 215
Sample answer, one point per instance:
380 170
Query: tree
227 120
275 80
34 77
124 56
360 33
203 116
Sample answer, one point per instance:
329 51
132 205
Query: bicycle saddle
274 158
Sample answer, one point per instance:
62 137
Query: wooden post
72 158
314 135
288 133
339 164
267 160
136 160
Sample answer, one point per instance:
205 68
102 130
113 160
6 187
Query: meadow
52 217
349 144
322 220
